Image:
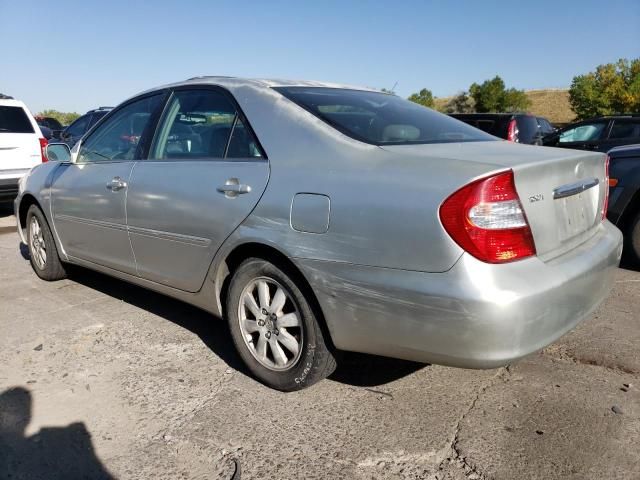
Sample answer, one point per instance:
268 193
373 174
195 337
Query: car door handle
232 188
116 184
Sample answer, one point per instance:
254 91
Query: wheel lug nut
268 334
261 323
264 311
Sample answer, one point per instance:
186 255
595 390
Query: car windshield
380 118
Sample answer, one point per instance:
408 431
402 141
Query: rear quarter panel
384 204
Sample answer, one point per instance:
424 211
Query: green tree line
612 88
65 118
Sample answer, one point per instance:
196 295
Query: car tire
268 317
43 253
632 241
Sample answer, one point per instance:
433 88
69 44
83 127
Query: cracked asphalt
102 379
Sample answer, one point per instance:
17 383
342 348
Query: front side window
120 136
14 120
202 124
381 119
583 133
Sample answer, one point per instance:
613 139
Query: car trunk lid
562 191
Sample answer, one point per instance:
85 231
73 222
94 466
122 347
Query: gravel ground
101 379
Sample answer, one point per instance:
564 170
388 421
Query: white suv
22 145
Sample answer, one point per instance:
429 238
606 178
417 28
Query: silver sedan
317 217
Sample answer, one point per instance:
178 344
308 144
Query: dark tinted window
379 118
202 124
79 127
527 128
625 129
120 136
242 143
14 120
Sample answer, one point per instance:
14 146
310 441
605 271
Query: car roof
11 103
235 82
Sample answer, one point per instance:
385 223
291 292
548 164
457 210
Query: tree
612 88
424 97
492 96
64 118
461 103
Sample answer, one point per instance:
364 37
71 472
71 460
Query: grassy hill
550 103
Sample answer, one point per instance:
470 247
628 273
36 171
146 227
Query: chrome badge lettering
536 198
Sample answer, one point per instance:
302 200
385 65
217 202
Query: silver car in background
316 218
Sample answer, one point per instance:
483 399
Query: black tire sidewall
304 373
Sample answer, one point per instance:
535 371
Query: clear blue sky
76 55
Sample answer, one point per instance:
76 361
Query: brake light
512 131
486 219
607 184
43 149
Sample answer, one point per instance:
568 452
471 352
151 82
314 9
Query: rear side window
14 120
381 119
201 124
623 129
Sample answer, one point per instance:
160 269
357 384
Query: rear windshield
14 120
380 118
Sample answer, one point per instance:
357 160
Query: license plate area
576 213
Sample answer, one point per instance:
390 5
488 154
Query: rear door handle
232 188
116 184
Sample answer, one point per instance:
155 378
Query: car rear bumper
476 315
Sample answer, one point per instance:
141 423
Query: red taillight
605 205
512 131
486 219
43 149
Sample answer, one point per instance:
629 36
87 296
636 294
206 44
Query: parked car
315 217
600 134
22 145
51 123
74 132
46 131
624 204
515 127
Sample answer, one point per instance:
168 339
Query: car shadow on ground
52 453
353 368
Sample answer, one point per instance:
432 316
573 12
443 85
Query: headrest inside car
400 133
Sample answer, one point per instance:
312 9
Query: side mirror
58 152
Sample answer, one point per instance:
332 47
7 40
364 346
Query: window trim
239 114
162 93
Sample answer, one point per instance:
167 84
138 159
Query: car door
584 136
204 175
89 195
